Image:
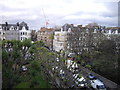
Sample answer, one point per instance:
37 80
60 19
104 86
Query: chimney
80 26
72 25
6 23
17 23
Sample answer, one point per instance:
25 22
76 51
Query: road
69 76
109 84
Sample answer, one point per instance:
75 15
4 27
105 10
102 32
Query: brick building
46 35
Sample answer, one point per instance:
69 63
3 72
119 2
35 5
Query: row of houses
14 31
77 39
69 38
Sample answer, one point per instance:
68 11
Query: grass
23 85
37 81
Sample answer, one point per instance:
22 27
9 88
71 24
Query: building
79 39
60 41
46 35
14 31
33 35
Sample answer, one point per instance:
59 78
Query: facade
46 35
109 33
78 39
60 40
82 39
34 35
14 31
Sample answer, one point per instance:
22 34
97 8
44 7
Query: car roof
98 82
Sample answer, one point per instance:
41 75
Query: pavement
0 80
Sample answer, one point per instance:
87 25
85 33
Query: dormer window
69 29
116 32
23 28
11 28
95 31
87 30
17 28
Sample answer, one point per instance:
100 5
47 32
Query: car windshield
82 82
101 87
90 74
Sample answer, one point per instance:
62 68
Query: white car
81 82
97 84
75 76
56 67
74 67
24 68
57 59
62 73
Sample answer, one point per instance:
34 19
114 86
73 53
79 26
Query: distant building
46 35
111 32
78 39
60 40
14 31
33 35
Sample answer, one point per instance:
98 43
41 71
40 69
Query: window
0 32
60 44
21 33
0 27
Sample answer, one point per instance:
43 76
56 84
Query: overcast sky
58 12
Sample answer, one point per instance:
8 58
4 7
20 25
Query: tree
15 53
105 60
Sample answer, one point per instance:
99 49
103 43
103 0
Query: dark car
72 86
91 77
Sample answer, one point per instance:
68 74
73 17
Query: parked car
74 67
62 73
24 68
72 86
57 59
97 84
75 76
91 76
81 82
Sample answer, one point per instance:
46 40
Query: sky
59 12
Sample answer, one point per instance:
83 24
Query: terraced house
14 31
78 39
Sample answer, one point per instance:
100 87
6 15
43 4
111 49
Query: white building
14 31
60 40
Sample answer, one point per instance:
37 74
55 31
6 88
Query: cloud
58 12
